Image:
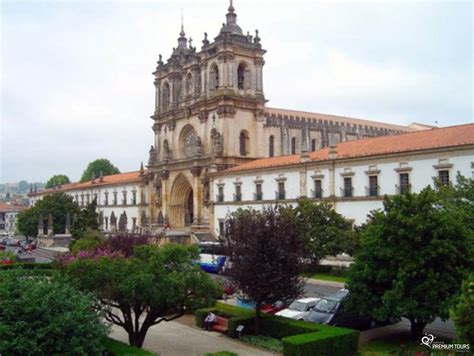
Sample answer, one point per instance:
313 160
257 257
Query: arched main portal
181 203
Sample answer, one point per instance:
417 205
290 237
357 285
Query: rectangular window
87 198
221 227
220 194
106 220
82 199
318 189
347 187
373 186
134 197
115 198
281 191
106 198
258 191
443 177
134 224
404 183
124 199
238 193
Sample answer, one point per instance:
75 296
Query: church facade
211 114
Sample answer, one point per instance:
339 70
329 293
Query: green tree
86 219
412 260
155 284
95 168
463 312
90 240
265 248
57 204
57 179
40 316
326 232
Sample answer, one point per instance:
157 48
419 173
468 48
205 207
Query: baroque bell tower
209 115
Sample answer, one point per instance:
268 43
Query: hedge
27 265
299 338
326 341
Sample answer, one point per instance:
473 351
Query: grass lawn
118 348
326 277
398 345
265 342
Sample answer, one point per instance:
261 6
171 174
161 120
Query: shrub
266 342
27 266
89 241
326 341
463 312
40 316
279 327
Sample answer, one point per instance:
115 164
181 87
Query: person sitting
210 320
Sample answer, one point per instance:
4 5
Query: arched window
214 78
243 143
293 146
166 96
271 149
313 145
189 84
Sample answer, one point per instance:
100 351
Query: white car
299 309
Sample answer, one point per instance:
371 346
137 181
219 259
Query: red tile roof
121 178
412 141
4 207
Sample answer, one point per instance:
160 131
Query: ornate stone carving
160 219
225 111
203 115
159 195
164 174
166 151
152 156
196 171
217 142
205 188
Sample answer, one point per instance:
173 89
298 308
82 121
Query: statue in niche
152 156
197 83
166 151
160 220
198 146
158 193
217 144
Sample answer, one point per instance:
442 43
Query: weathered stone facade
210 114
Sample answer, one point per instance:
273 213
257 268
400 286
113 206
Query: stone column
197 195
165 193
204 79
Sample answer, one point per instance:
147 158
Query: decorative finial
142 170
182 22
231 7
256 38
205 41
190 42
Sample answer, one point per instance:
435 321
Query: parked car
211 263
28 245
2 248
299 309
267 308
330 311
13 242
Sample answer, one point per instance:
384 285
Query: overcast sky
77 85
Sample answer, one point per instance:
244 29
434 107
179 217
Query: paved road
175 339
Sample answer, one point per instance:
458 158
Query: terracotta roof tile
412 141
4 207
121 178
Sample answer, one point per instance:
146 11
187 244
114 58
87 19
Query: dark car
330 311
